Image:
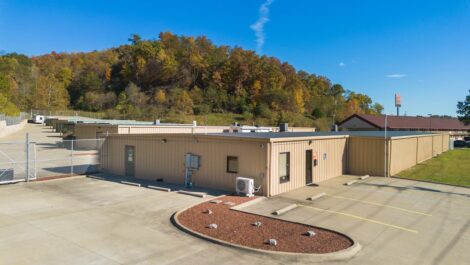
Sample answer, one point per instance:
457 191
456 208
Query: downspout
268 170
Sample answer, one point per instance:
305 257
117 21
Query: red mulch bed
236 227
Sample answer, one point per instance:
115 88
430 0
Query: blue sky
420 49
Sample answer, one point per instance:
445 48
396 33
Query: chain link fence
13 120
29 160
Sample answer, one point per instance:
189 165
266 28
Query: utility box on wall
192 161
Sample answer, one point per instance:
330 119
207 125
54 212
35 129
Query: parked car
459 143
467 140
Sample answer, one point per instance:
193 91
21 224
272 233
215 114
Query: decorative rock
310 233
229 203
216 201
272 242
257 224
208 211
212 226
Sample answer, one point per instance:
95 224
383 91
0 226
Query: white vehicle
38 119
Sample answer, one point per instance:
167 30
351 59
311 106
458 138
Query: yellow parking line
380 204
360 218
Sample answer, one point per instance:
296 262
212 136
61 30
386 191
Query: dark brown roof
411 122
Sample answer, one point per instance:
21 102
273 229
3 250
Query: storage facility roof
277 135
411 122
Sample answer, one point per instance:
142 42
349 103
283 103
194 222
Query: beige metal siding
162 129
403 154
366 156
332 166
445 142
155 159
424 150
437 145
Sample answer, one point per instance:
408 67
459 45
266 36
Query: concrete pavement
396 221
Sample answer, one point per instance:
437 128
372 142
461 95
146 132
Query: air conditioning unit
245 186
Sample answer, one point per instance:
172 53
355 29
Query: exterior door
308 167
129 160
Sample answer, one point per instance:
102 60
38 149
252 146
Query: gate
17 162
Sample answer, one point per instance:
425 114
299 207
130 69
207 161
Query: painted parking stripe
379 204
360 218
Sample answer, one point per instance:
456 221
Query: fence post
27 157
71 157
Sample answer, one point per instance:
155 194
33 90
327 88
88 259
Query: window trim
286 178
227 164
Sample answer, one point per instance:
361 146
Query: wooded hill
177 78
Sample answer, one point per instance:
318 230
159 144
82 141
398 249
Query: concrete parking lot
396 221
87 221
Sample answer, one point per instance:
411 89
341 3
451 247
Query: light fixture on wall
309 142
164 141
261 146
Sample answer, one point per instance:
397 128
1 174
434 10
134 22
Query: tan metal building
278 162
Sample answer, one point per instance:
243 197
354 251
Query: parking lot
396 221
81 220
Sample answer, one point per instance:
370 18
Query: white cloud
342 64
396 75
258 26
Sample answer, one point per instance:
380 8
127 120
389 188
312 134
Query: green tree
463 110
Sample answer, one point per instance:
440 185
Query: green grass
452 167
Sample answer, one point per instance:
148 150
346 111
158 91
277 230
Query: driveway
396 221
80 220
48 156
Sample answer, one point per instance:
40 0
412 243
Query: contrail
258 26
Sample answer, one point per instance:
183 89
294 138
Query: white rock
272 242
310 233
212 226
216 201
257 223
208 211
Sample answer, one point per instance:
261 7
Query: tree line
176 76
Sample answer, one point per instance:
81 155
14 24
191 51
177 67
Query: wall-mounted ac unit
245 186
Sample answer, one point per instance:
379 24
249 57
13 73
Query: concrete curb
344 254
285 209
130 183
431 182
248 203
192 193
159 188
349 183
318 196
95 177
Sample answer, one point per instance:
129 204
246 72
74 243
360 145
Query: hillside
177 78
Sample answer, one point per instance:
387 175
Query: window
284 168
232 164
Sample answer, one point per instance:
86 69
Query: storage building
278 162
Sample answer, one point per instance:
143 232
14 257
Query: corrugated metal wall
409 151
445 142
424 152
437 145
366 156
403 154
170 129
331 162
155 159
